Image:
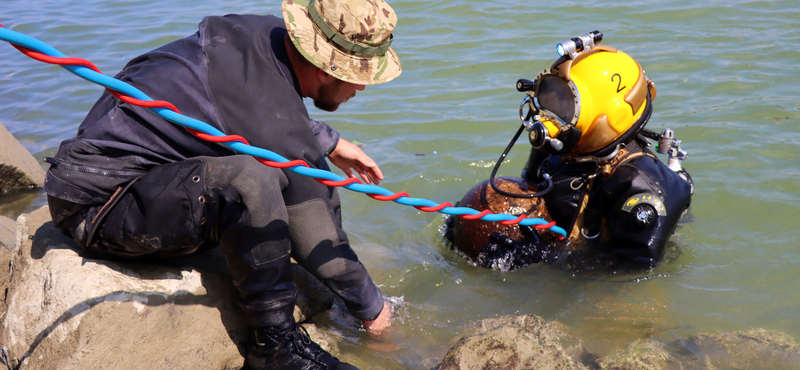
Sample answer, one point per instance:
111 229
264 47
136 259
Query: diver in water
600 181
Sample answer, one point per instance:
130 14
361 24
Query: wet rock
528 342
18 168
752 349
61 310
326 339
336 328
521 342
642 355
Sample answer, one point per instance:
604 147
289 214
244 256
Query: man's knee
252 183
241 168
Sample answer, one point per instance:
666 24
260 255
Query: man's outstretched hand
377 327
350 158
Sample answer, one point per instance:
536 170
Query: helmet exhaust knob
524 85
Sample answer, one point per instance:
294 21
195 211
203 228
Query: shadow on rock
62 310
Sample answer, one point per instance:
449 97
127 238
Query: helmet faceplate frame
596 132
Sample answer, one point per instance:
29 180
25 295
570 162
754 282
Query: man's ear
324 77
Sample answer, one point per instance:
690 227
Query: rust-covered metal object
471 236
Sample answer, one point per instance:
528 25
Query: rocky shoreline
61 310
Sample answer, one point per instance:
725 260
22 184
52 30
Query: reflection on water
727 77
16 203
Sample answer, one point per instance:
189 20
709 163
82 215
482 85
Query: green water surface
727 74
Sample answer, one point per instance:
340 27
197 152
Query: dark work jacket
233 74
632 212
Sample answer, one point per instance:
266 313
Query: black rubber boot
290 349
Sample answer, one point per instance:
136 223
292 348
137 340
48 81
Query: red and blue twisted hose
40 51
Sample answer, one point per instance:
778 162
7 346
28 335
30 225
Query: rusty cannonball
470 236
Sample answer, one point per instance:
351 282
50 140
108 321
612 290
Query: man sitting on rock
133 186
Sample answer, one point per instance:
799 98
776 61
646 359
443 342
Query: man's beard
328 94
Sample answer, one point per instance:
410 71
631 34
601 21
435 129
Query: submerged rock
529 342
62 310
753 349
749 349
522 342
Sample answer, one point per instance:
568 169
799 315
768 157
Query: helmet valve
577 45
665 141
556 144
668 144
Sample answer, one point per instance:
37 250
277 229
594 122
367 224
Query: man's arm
375 328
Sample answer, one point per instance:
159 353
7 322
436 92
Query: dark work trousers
237 203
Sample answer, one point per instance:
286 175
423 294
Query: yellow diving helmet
590 100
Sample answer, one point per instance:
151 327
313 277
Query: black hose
650 134
500 161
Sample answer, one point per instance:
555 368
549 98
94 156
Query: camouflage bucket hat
348 39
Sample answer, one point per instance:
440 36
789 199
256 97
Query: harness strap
577 224
608 169
622 157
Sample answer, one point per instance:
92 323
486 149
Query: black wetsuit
133 185
631 209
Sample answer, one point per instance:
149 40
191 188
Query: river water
727 74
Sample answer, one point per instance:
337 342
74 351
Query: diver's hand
349 157
377 327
